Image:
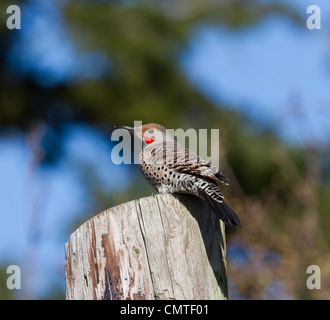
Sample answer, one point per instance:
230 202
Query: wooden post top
159 247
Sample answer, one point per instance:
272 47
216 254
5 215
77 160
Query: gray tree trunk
160 247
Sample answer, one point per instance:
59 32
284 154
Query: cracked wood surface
159 247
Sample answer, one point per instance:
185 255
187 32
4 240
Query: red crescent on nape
147 139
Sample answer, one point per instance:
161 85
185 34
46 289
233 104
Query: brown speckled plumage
171 168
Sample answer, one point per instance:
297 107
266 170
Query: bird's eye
151 130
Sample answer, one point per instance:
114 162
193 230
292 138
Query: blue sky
266 72
260 72
49 199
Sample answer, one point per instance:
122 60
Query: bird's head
149 133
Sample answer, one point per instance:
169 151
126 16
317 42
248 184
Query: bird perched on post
171 168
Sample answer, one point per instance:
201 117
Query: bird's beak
130 129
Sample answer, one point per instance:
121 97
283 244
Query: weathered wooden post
160 247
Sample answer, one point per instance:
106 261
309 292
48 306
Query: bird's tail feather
221 209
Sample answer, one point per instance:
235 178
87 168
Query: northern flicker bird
171 168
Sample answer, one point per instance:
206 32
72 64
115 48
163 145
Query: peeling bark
160 247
